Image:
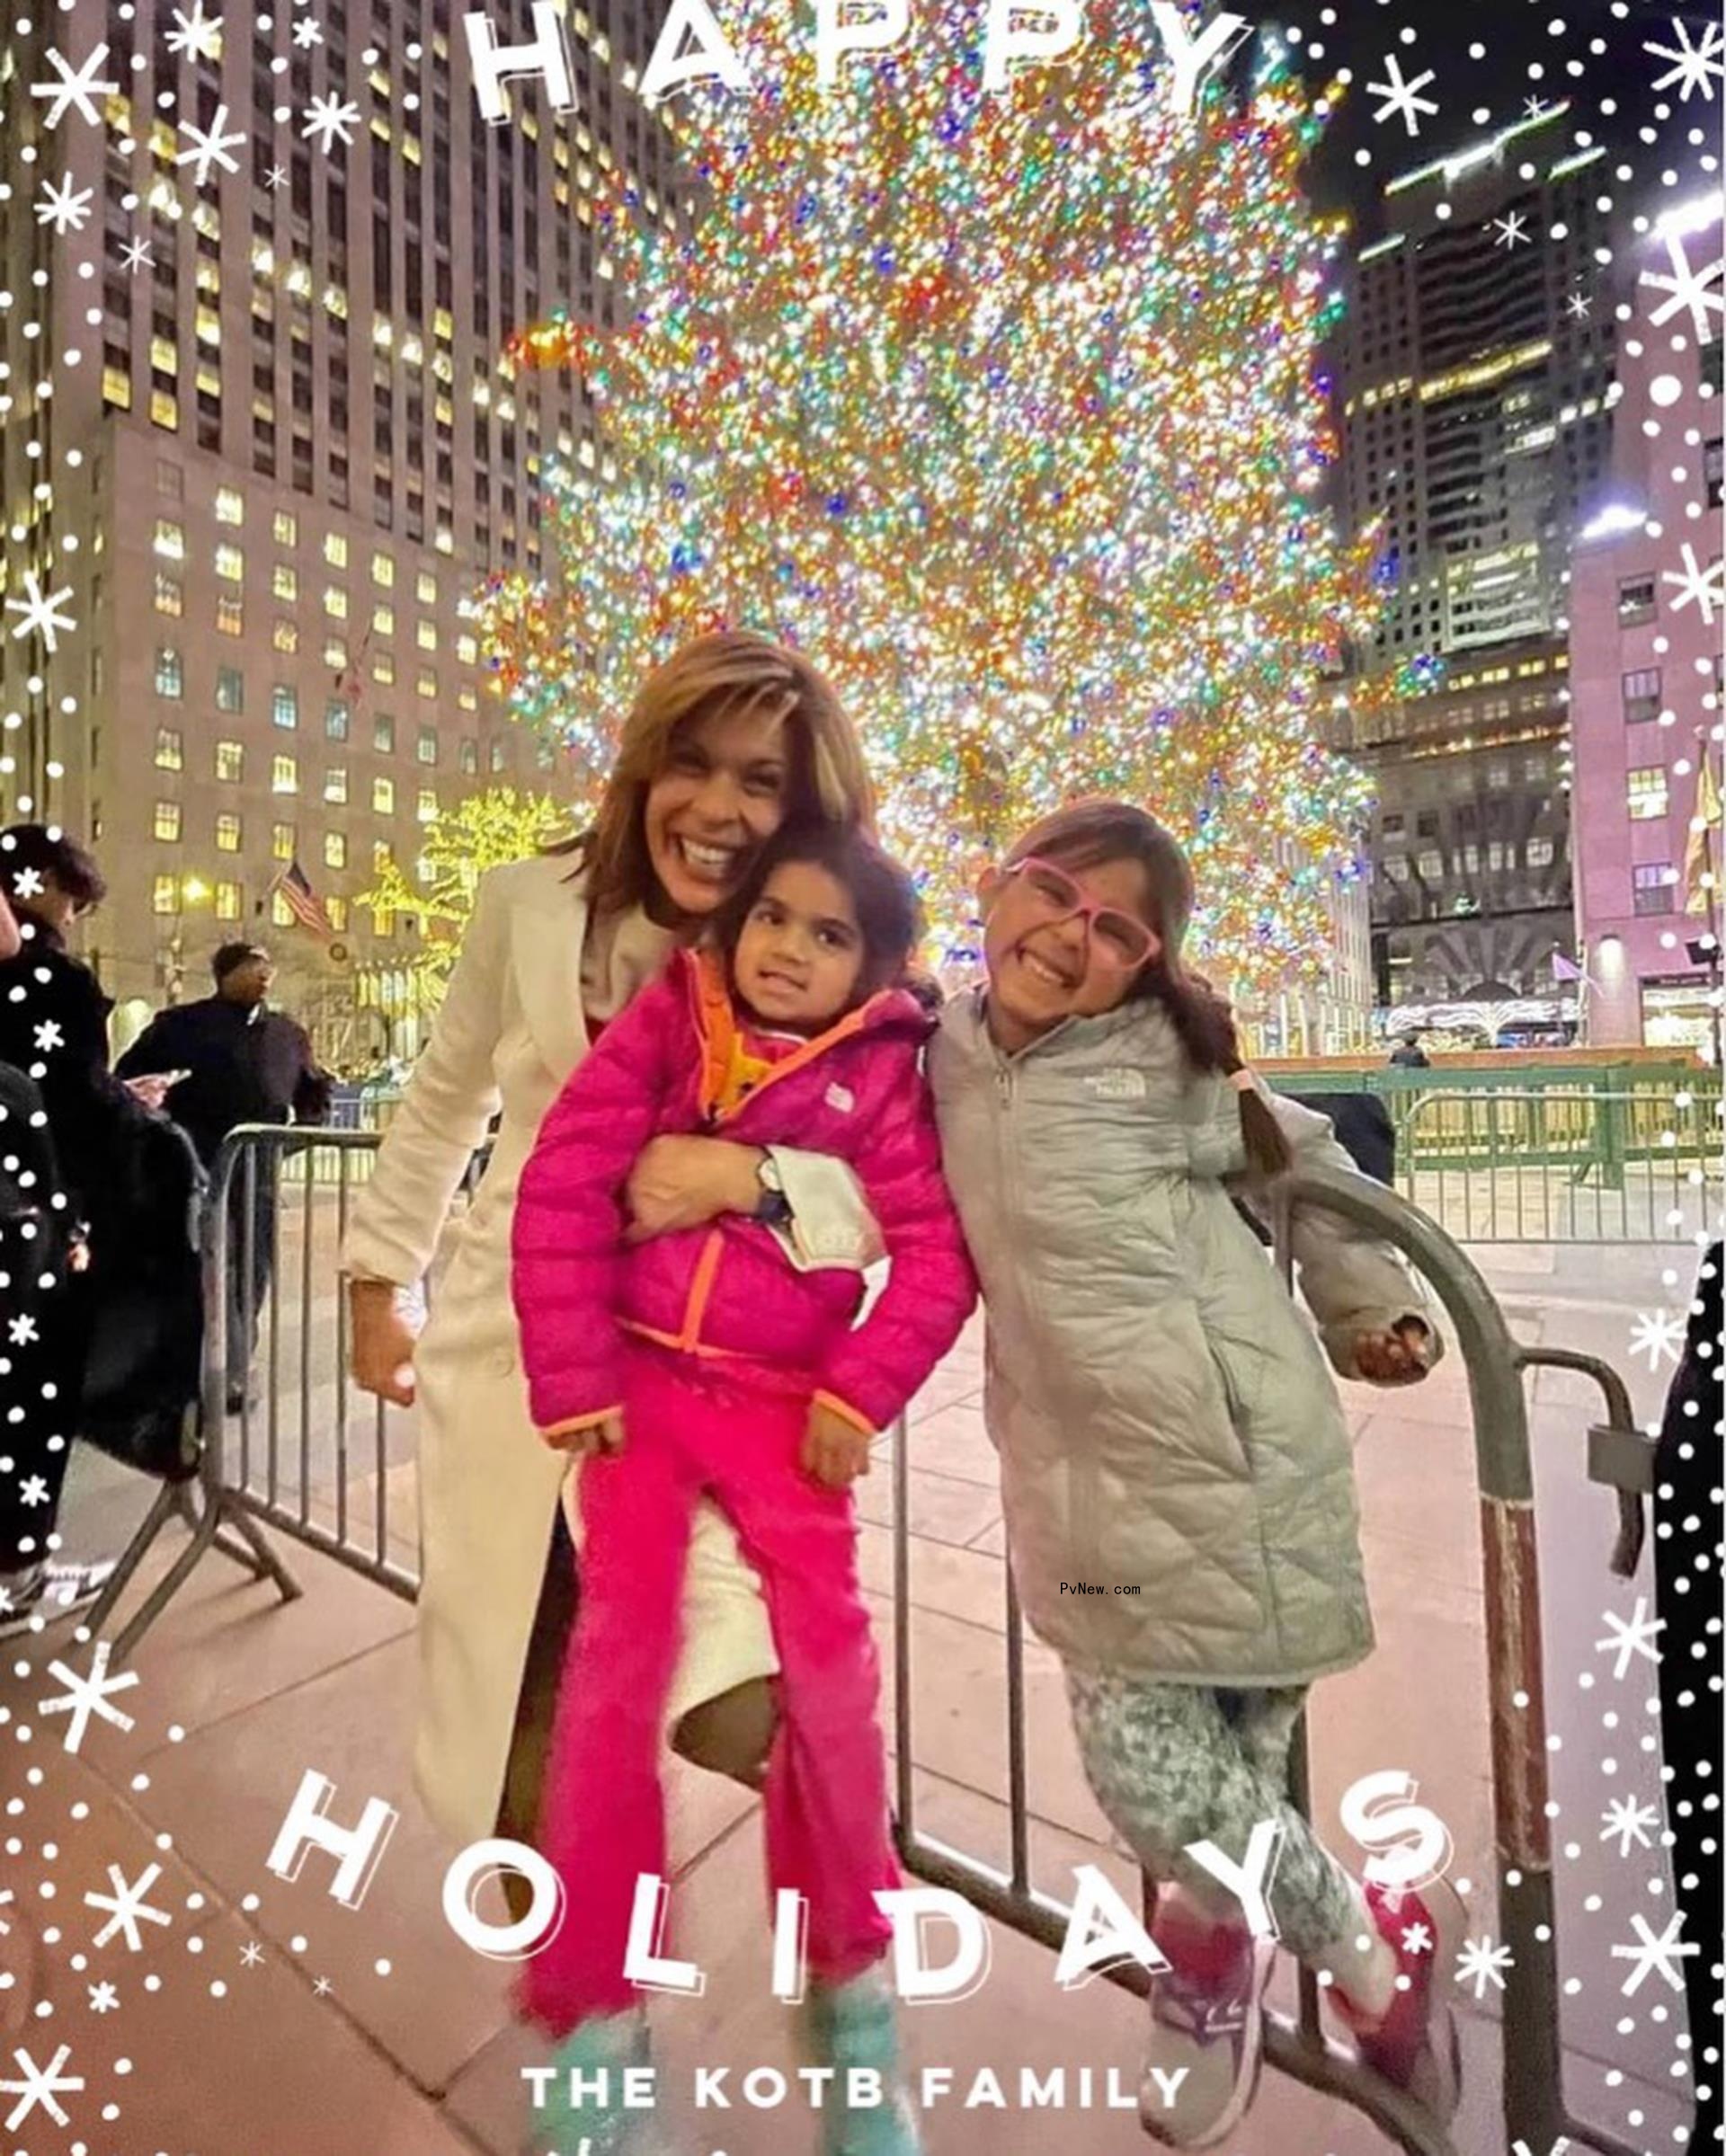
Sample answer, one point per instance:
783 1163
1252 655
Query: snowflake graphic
6 1892
1402 98
33 1490
1579 305
1628 1638
42 2086
1689 289
21 1331
209 146
1691 65
331 118
1521 2148
251 1953
308 32
1632 1821
66 207
79 89
1705 586
1654 1955
1654 1334
104 1998
44 614
49 1036
1417 1940
88 1695
127 1906
28 883
136 255
1481 1963
1512 231
196 34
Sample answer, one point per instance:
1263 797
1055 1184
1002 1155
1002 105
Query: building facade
260 423
1645 666
1475 389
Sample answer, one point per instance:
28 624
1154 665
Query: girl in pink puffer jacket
701 1359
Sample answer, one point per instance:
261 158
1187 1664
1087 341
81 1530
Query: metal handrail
1533 2093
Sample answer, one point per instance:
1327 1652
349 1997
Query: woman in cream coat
723 741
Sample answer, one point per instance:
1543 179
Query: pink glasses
1121 939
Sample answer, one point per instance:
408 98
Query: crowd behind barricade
717 1092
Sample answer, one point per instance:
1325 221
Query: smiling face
1048 962
720 793
801 953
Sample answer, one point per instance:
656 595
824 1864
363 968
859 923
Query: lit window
228 834
285 634
230 616
335 783
282 842
425 588
1646 793
166 824
425 683
169 673
337 909
380 854
230 762
383 620
425 751
285 529
335 655
170 748
284 583
336 718
284 708
383 571
335 602
284 774
335 850
468 756
169 597
230 562
383 734
1652 885
466 699
230 688
1539 853
164 894
500 756
170 540
335 550
165 409
383 668
383 796
117 387
425 635
425 807
230 505
468 651
281 914
227 901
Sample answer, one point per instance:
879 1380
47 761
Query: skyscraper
258 419
1475 390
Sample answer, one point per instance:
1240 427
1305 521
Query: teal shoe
857 2024
598 2123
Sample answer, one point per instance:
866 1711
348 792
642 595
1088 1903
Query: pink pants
602 1821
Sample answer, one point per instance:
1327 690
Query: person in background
231 1060
79 1172
1409 1055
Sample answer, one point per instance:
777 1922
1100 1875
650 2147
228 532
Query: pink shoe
1415 2045
1206 2033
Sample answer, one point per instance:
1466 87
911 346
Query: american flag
303 902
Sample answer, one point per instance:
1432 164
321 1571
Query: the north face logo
841 1098
1120 1084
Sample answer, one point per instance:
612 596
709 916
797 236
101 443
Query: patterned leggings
1175 1763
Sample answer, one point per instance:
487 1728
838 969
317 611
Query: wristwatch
772 1208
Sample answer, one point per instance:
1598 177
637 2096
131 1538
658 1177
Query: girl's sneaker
596 2121
1415 2045
1201 2067
856 2024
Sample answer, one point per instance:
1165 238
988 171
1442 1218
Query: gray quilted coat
1164 1416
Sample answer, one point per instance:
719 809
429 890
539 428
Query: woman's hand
1400 1355
685 1181
604 1433
835 1452
381 1354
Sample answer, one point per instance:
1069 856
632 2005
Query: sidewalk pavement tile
942 1507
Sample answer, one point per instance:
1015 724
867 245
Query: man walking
242 1062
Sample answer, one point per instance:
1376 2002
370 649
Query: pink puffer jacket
856 1092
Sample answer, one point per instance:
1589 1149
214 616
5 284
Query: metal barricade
1532 2094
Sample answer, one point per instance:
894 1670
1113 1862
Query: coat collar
547 928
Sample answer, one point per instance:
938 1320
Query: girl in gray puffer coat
1175 1465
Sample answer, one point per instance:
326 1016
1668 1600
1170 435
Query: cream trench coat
510 1032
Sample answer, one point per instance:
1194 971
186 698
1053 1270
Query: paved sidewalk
263 2019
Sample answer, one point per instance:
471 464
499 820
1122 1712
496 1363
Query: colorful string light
1003 408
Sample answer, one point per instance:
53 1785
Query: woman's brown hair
725 674
1088 833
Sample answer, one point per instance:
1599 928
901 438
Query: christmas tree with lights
1001 404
